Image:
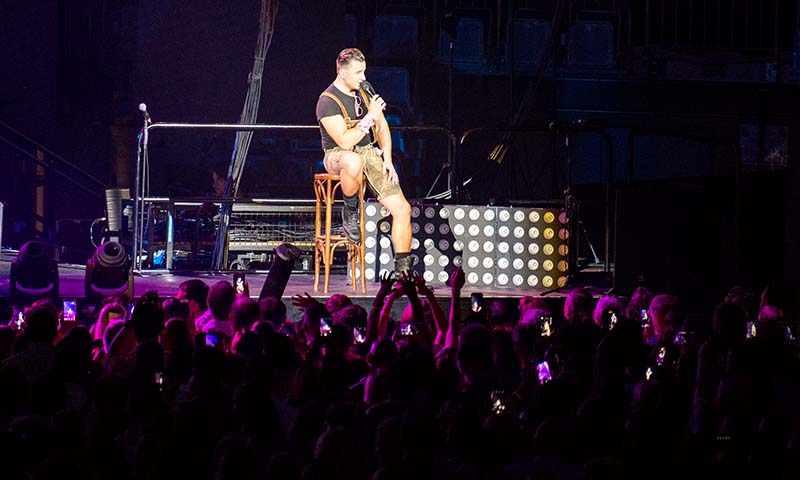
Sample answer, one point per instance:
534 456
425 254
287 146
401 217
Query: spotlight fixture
107 272
34 274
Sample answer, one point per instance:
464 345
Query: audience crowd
211 384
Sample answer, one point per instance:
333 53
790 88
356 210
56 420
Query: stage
166 283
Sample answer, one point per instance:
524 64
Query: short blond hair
347 56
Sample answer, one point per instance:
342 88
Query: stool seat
325 241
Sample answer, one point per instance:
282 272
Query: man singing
351 121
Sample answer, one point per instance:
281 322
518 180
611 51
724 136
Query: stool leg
316 265
328 256
360 248
353 256
317 231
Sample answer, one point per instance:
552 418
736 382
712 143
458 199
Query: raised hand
387 282
409 285
303 302
422 288
457 279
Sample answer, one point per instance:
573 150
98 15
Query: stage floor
71 279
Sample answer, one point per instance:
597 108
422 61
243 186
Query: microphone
143 109
368 88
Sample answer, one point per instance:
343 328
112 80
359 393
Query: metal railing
142 156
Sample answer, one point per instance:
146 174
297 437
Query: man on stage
351 121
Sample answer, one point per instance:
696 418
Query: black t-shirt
327 107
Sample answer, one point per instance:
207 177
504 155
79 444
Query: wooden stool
325 186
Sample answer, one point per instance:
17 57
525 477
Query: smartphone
359 336
751 329
476 302
645 317
213 340
543 372
496 399
545 325
159 378
325 326
238 282
408 329
19 319
70 310
648 374
789 335
610 319
662 355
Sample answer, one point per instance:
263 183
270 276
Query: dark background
693 113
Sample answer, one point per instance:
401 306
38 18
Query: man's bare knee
351 164
399 209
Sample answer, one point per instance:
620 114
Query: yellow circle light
548 249
549 217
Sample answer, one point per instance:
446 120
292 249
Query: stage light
107 273
479 239
33 275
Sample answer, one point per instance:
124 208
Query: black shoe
402 266
288 252
350 225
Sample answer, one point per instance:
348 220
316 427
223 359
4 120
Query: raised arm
438 314
454 323
374 316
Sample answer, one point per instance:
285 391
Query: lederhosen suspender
352 123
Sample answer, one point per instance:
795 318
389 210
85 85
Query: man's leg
398 206
350 167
